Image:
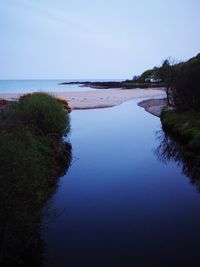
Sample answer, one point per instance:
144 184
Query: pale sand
154 106
99 98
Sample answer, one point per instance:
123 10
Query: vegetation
3 101
171 149
185 126
183 94
179 80
33 155
42 114
148 75
65 104
182 83
185 85
127 84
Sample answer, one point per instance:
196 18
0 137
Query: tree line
182 82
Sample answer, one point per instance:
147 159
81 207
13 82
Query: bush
186 93
185 126
183 84
32 160
44 114
64 103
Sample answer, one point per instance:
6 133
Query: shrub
44 114
183 84
31 163
2 102
185 126
65 104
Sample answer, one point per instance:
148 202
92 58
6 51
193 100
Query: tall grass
43 113
33 155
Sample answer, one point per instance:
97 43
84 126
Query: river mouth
119 205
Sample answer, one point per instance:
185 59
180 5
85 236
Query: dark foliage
171 149
182 84
185 126
44 114
186 85
33 156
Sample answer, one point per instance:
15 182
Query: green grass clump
44 114
184 125
33 156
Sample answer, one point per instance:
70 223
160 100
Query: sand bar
154 106
98 98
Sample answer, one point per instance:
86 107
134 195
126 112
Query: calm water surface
119 205
26 86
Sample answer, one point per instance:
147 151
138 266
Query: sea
27 86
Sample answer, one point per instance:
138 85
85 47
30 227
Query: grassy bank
33 155
185 126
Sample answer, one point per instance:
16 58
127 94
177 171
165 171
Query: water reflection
25 190
170 149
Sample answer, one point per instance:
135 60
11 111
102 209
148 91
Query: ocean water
26 86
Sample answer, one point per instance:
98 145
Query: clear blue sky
94 39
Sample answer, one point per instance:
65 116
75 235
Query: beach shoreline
103 98
153 106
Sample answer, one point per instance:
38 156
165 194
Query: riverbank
153 106
98 98
33 156
183 125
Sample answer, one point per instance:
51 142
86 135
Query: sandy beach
153 106
98 98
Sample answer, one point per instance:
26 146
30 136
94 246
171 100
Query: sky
91 39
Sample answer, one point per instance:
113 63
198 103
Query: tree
165 73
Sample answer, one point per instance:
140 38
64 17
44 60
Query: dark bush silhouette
186 85
32 159
170 149
43 113
182 84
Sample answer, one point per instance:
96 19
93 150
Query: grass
33 156
184 125
43 113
